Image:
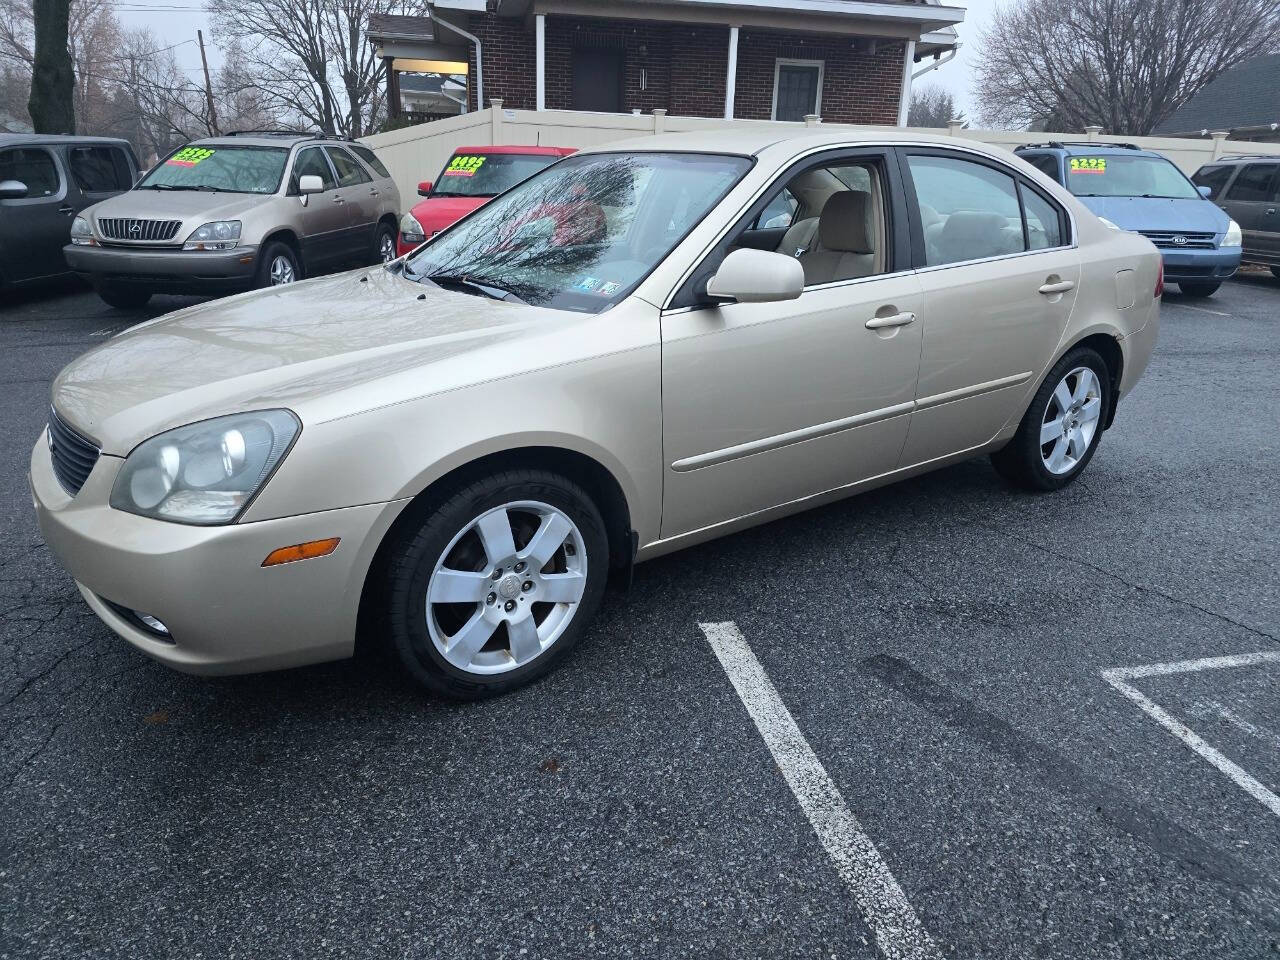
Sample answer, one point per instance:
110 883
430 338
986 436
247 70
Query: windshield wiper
175 186
467 285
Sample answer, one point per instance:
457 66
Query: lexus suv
244 210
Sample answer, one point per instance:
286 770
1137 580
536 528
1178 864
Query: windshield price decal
189 157
1088 164
464 166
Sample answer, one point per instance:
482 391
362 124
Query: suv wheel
277 265
384 244
1199 289
497 584
123 298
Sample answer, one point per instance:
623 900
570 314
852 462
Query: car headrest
971 225
843 224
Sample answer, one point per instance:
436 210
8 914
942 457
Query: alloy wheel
282 270
506 587
1070 420
387 248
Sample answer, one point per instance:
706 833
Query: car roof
518 150
750 142
268 138
1243 158
13 139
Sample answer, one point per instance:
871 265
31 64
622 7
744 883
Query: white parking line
1206 708
1118 677
1187 306
881 902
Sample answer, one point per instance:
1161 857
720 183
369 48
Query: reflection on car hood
320 340
1191 214
179 205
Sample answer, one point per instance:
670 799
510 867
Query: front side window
31 166
778 212
968 211
1215 178
350 173
581 235
487 174
100 169
234 169
311 163
1119 175
1254 183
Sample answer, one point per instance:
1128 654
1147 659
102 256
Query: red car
473 176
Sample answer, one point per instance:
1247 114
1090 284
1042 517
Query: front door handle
338 200
895 320
1271 210
66 210
1061 286
374 193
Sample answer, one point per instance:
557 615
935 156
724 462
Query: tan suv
252 209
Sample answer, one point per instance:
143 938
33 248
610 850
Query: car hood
436 213
185 205
324 341
1191 214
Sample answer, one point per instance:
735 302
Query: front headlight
411 230
82 233
1233 238
205 473
219 235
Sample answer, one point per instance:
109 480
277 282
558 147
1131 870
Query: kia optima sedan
638 349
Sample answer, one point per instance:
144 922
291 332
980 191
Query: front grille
73 455
1190 241
124 228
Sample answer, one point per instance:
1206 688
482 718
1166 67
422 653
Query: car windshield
487 174
580 235
1113 175
233 169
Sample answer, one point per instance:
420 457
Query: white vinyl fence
419 153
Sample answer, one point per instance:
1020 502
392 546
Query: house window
797 89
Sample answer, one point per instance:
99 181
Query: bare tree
932 106
52 79
1124 64
309 59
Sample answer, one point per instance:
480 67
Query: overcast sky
176 21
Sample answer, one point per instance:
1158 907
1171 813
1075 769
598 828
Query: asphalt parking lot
1031 726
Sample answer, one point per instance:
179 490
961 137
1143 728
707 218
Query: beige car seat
844 248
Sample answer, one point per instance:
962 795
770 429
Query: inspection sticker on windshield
189 157
609 289
587 284
464 166
1088 164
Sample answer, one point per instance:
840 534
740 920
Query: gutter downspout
950 55
479 57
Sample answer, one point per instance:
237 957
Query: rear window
232 168
487 174
1215 178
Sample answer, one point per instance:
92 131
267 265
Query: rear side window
1255 182
1044 223
350 173
968 211
32 166
1215 178
100 169
1048 165
311 163
371 158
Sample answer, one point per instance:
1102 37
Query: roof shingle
1247 95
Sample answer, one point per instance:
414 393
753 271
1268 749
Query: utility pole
208 87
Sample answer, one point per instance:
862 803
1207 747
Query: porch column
540 32
904 101
393 87
731 81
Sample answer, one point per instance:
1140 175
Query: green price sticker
189 157
1088 164
464 165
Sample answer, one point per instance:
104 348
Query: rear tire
384 244
463 609
1199 289
123 298
277 266
1062 427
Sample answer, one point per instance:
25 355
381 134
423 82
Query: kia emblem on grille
1179 239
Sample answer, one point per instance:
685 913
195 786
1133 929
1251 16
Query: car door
1251 201
35 228
324 218
998 289
356 188
768 403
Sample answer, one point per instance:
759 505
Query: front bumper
225 612
165 269
1202 265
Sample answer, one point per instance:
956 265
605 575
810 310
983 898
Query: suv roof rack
1061 144
1244 156
295 134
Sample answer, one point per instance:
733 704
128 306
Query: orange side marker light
301 551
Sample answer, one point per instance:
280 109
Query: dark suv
44 182
1248 189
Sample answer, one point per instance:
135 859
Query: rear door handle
374 192
1271 210
66 209
338 200
1062 286
896 320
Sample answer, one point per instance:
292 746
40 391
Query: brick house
847 61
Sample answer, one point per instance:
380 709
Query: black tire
1275 272
1021 462
267 258
122 297
420 544
1199 288
384 234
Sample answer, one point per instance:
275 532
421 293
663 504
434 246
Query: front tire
1062 427
384 244
493 586
277 266
122 297
1199 289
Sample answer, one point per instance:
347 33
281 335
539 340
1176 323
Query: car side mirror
757 276
310 183
1205 191
424 188
12 189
